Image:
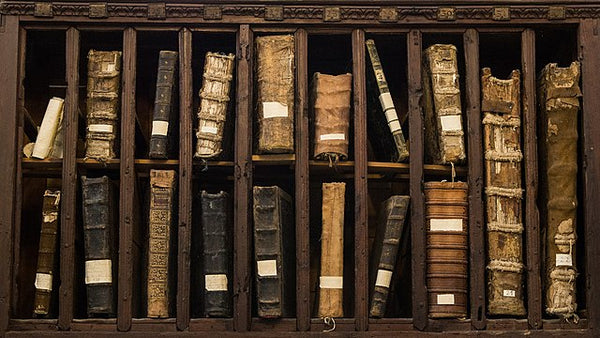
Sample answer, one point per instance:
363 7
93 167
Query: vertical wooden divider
532 217
477 253
302 185
242 253
361 236
417 203
185 178
127 182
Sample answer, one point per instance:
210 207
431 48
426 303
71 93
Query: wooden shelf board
33 324
281 324
95 164
94 324
32 163
153 324
274 159
341 324
211 324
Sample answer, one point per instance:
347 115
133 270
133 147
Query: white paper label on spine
215 282
564 260
267 268
274 109
331 282
98 271
108 67
209 129
100 128
394 126
391 115
160 128
332 137
451 123
445 299
384 277
386 101
43 281
509 293
451 224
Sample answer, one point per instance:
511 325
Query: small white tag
564 260
446 299
98 271
509 293
452 224
451 123
384 277
274 109
108 67
43 281
100 128
209 130
267 268
51 217
331 137
160 128
215 282
386 101
391 115
331 282
394 126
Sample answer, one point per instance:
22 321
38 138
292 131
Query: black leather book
163 123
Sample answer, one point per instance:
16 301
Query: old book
216 254
163 124
275 93
48 129
46 266
99 239
387 106
385 251
274 248
214 97
103 87
501 107
558 93
162 195
331 104
447 248
444 133
57 150
331 279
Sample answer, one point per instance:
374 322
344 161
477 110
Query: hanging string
453 171
329 322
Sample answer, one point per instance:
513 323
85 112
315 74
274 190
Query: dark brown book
163 123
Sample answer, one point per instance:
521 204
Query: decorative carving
138 11
446 14
478 13
185 11
255 11
332 14
157 11
501 14
70 10
359 14
556 13
98 10
388 14
43 10
303 12
274 13
212 13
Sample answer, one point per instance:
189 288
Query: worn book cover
165 110
49 129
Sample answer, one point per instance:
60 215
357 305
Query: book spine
275 80
447 248
217 254
48 129
98 228
163 104
46 254
331 97
58 145
385 251
214 97
387 104
559 100
331 280
103 86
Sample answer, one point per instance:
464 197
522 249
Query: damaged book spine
163 126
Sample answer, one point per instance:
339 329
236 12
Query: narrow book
444 133
214 98
558 93
447 248
275 87
385 251
274 249
164 105
48 129
331 279
160 273
103 87
216 254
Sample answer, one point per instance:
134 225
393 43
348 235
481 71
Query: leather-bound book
444 133
331 279
103 92
216 254
160 271
447 248
385 251
99 239
163 126
48 129
331 105
558 93
274 248
388 111
214 97
275 93
501 107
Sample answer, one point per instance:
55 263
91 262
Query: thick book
388 110
49 129
214 98
558 93
274 249
444 133
103 92
501 108
99 231
160 271
275 93
331 278
163 122
331 104
447 248
216 254
385 251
